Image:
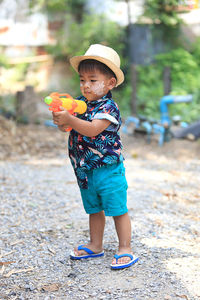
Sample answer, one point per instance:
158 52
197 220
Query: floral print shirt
87 153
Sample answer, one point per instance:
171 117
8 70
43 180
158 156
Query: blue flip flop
89 254
133 260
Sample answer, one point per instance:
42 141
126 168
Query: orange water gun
57 100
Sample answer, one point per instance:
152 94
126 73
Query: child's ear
112 83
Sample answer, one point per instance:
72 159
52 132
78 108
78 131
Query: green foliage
196 50
189 112
4 61
55 6
163 11
75 8
122 96
184 70
94 29
7 105
78 37
81 29
185 77
20 71
184 65
149 90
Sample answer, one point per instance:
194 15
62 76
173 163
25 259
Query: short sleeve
109 111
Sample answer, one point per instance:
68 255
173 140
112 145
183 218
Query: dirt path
41 219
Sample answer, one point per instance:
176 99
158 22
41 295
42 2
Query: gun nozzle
48 100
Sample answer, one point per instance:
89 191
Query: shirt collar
106 97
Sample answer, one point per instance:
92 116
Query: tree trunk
133 71
167 80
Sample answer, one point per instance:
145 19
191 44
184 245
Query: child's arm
81 126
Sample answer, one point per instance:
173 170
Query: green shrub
185 78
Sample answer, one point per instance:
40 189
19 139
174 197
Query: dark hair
92 64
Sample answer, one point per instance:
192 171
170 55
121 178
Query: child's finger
55 114
62 108
55 119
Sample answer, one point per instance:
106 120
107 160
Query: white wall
117 10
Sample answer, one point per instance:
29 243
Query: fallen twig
6 254
15 271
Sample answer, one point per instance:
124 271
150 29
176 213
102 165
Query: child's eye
93 80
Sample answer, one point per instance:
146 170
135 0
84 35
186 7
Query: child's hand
63 127
61 118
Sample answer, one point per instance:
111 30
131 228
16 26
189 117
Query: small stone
167 297
72 275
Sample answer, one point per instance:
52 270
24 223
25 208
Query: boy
95 153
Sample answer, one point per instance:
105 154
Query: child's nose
87 84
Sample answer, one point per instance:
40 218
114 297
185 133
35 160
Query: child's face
94 85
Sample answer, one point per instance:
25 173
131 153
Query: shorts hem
115 213
92 211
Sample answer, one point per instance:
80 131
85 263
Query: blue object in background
128 121
161 127
170 99
50 123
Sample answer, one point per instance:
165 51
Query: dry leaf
170 194
16 242
155 205
2 270
71 182
16 225
183 296
158 222
51 287
2 263
168 297
15 271
174 172
134 154
196 196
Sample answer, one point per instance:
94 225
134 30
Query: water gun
57 100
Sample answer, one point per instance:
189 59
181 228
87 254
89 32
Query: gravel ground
42 219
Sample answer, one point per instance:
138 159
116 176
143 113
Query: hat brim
75 61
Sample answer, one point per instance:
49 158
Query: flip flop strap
123 255
87 250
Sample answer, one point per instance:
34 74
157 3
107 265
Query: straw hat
104 54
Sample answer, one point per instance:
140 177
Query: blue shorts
107 190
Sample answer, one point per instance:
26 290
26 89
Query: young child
95 153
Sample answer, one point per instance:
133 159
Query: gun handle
68 129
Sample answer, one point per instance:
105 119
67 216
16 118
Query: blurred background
158 42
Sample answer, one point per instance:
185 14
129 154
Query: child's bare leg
97 224
123 228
